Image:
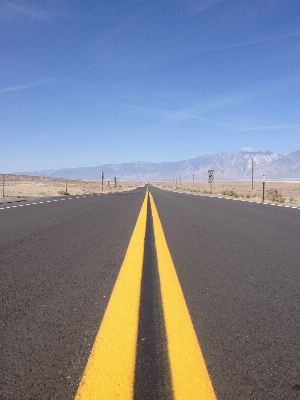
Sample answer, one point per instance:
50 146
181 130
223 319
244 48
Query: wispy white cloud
163 113
201 5
26 85
45 11
259 90
256 41
256 91
270 127
201 110
11 9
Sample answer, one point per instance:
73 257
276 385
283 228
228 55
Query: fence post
3 184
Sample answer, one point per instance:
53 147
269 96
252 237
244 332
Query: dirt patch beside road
279 192
24 187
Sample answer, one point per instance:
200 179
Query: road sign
210 175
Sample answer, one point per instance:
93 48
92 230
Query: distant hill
235 165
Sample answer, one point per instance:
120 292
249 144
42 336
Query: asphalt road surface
238 265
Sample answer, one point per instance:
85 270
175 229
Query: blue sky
85 83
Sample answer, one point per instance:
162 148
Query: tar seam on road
117 368
152 370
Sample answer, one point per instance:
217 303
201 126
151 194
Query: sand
28 187
278 192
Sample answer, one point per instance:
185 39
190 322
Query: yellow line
109 373
190 378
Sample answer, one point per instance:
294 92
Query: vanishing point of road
149 294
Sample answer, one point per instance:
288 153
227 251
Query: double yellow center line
110 370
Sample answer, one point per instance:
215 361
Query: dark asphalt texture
239 267
59 262
152 371
238 264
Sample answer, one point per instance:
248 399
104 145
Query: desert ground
26 187
279 192
29 187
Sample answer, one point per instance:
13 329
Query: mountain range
237 165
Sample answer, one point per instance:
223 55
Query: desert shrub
205 191
230 193
275 195
63 193
250 195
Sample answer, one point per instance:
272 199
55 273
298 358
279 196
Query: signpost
263 190
210 178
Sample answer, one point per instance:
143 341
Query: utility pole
223 178
102 179
252 173
115 178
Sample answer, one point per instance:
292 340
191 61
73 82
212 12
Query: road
238 264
